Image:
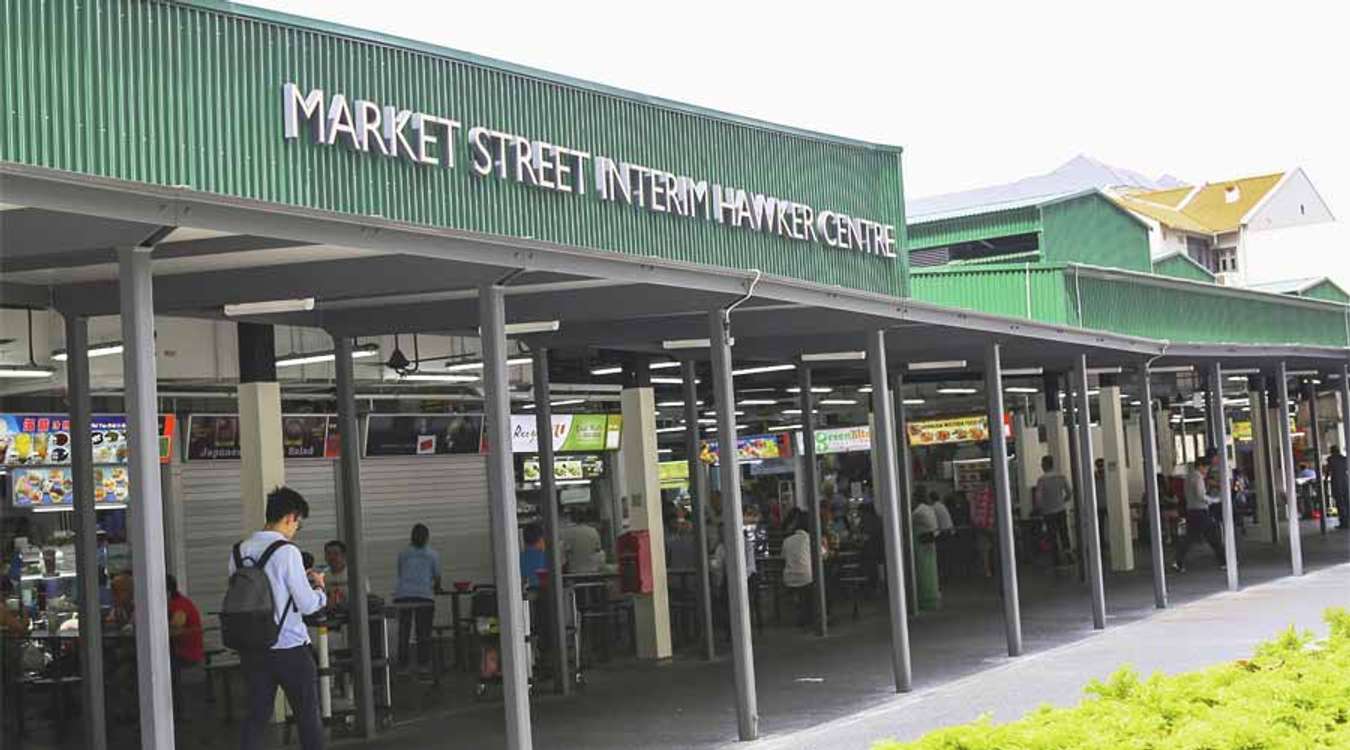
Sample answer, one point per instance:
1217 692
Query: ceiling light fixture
833 356
865 389
431 377
534 326
757 402
666 365
664 430
465 366
944 364
814 389
1020 389
1022 372
671 381
291 360
95 350
270 307
612 370
686 344
958 391
25 371
761 370
838 402
914 402
785 428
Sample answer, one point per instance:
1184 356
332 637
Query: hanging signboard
572 433
567 468
953 430
751 448
53 487
44 439
843 440
216 436
673 475
422 434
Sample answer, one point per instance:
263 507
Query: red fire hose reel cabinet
635 562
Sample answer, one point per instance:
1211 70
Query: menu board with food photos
954 430
423 434
44 439
53 486
216 436
751 448
569 467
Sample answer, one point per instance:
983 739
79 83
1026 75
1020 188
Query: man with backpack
269 594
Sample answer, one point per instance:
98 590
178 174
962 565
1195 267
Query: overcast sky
975 95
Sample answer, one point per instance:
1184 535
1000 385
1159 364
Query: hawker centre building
243 249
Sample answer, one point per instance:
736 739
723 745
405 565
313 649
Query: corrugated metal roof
1288 286
1221 206
1170 217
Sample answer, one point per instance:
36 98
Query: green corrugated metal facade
973 228
190 94
1133 304
1327 291
1179 267
1092 230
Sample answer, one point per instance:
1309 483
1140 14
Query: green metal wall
1092 230
972 228
1178 267
177 94
1327 291
1011 290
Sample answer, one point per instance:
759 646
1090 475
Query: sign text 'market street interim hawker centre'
423 138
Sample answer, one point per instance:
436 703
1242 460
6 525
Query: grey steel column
998 460
1076 474
1220 444
728 463
1268 452
1287 470
147 513
86 531
353 532
906 494
505 534
808 404
698 482
1345 427
548 503
886 489
1148 440
1310 389
1089 495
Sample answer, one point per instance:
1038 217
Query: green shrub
1292 694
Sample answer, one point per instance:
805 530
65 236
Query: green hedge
1294 693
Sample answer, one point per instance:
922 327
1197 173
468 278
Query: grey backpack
248 617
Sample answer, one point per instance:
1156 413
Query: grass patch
1293 693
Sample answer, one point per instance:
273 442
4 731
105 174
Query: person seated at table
419 580
797 570
185 635
335 580
533 555
582 552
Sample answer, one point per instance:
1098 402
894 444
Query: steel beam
1341 519
353 530
1287 470
906 493
548 504
86 533
998 460
812 484
505 535
699 484
1310 392
1148 440
1088 493
886 492
1219 425
154 679
733 534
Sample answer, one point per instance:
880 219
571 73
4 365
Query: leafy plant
1292 694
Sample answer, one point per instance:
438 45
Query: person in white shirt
582 551
944 517
290 662
925 526
1051 500
797 573
1199 523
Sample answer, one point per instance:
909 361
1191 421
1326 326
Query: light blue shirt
418 569
286 571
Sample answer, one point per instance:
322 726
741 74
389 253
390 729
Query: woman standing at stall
419 579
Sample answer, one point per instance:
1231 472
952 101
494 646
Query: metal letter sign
422 138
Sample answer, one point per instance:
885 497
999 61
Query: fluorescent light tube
757 402
837 402
95 350
785 428
958 391
761 370
1020 389
538 326
666 365
814 389
913 401
615 370
946 364
686 344
270 307
1020 372
833 356
465 366
25 371
432 377
290 360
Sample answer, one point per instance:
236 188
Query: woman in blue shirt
419 579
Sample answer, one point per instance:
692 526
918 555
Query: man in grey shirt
1199 523
1052 502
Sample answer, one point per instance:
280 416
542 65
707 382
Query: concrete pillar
1167 440
637 452
1029 452
1219 424
147 518
1117 500
1260 479
262 460
1288 467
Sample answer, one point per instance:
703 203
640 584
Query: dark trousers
1199 525
294 670
1057 528
806 605
422 617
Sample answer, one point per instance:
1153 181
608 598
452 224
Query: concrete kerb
820 735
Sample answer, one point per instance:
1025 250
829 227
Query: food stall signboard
952 430
423 434
673 474
751 448
843 440
44 439
568 468
216 436
53 486
572 433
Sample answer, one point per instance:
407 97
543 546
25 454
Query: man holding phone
297 592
